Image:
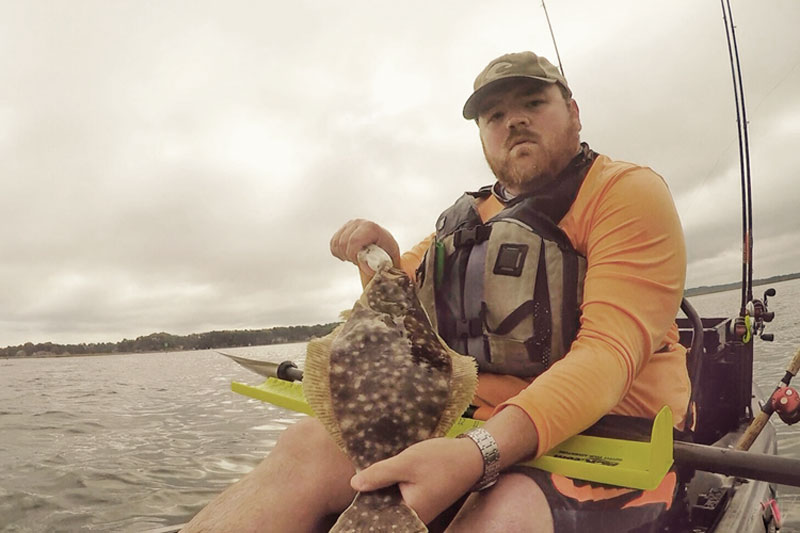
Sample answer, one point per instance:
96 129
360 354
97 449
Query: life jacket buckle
472 327
471 236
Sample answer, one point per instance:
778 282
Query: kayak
720 489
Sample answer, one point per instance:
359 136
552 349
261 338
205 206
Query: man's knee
305 439
307 446
514 503
305 434
306 456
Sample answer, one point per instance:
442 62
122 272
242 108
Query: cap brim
472 104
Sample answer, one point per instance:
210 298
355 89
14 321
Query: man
562 227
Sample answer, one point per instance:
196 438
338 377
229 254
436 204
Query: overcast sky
181 165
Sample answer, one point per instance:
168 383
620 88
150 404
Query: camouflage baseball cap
518 65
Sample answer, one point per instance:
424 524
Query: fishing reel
786 402
756 316
761 315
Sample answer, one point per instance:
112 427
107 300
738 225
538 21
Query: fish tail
380 511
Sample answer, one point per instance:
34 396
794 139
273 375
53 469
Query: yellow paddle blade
277 392
619 462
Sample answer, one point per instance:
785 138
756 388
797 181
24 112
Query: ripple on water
21 501
271 426
56 414
227 465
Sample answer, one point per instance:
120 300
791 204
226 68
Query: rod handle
794 364
753 431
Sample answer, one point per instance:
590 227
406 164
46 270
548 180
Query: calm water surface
134 442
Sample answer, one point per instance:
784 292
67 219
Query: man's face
529 133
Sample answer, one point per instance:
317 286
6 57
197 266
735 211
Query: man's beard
526 174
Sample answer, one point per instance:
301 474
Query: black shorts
635 511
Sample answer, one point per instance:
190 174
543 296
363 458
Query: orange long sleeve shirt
626 358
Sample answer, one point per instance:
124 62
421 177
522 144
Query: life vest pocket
512 356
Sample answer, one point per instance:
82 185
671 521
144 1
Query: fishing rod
744 157
753 313
784 401
553 37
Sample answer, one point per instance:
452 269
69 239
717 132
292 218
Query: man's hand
432 474
356 235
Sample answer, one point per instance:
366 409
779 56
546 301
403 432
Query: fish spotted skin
390 377
380 511
381 382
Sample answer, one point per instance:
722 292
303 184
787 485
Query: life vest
508 291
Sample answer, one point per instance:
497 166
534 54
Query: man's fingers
340 239
381 474
364 233
356 235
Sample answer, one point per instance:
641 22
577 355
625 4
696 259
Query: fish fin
463 382
463 377
380 510
316 385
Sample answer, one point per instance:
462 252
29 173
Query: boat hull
713 502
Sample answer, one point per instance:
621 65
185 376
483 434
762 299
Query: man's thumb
374 477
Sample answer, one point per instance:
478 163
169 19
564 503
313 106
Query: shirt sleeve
411 260
628 228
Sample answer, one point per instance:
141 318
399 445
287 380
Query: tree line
157 342
706 289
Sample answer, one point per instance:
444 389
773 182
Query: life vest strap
511 321
473 292
538 351
472 327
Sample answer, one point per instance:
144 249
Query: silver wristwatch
491 456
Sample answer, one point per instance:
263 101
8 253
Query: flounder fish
381 382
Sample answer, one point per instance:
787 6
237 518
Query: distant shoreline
52 355
708 289
165 342
62 355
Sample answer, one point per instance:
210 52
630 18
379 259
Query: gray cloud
180 166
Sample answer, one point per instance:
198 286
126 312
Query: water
134 442
127 442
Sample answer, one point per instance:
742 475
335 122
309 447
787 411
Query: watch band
491 456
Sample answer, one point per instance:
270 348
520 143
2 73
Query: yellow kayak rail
620 462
